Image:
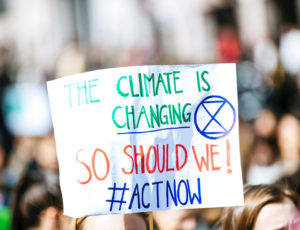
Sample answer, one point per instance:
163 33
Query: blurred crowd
45 40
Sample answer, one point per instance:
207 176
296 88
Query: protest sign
146 138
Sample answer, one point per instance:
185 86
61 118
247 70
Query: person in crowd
267 207
288 134
264 160
135 221
181 219
37 202
187 219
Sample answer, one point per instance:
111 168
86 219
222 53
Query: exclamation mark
229 171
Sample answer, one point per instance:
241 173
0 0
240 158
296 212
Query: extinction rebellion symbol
214 117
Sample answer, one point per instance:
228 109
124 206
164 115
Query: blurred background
41 40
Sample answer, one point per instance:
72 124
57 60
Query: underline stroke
156 130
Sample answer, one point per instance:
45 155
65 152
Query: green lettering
131 87
114 120
186 116
70 94
170 115
127 116
143 112
90 91
79 88
148 79
175 78
198 82
166 120
176 113
160 80
168 81
205 81
154 116
141 85
119 89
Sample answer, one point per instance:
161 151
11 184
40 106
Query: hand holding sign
138 139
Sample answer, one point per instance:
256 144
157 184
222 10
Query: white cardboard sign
146 138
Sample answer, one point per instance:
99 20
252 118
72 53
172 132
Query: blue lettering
135 193
186 192
157 192
198 198
145 205
173 194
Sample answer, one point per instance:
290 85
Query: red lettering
177 157
107 164
148 157
203 161
86 166
136 154
212 153
167 153
125 151
154 158
163 163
